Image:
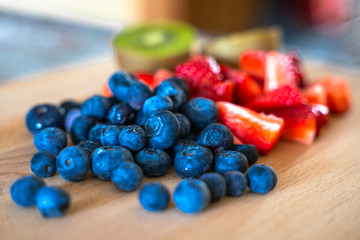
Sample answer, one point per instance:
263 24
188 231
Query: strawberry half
253 62
300 123
338 94
246 88
285 96
251 127
316 93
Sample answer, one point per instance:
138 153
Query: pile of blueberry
135 133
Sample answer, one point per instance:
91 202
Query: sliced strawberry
338 94
105 91
146 78
321 113
300 123
246 88
279 71
316 93
221 91
161 74
225 71
285 96
253 62
298 69
251 127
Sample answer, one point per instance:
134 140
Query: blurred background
39 35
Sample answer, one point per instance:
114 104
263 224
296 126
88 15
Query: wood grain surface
317 196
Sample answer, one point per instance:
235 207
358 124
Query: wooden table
317 196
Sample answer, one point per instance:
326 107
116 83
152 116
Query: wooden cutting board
317 196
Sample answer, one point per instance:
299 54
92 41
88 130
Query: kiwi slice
228 48
149 46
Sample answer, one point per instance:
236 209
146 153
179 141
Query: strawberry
279 71
251 127
146 78
237 140
161 74
316 93
298 69
300 123
221 91
321 113
253 62
246 88
105 91
285 96
338 94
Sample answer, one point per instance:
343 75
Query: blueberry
180 145
185 125
133 137
110 136
216 184
180 83
96 106
261 178
162 129
229 160
80 128
138 93
43 116
236 183
201 112
172 90
43 164
89 145
140 118
95 132
50 139
193 161
249 151
105 159
73 163
217 137
119 84
23 191
154 196
153 162
69 105
52 202
157 103
120 113
70 117
191 196
127 176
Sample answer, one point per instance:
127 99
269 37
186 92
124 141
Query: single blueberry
89 145
261 178
73 163
43 164
138 93
180 145
120 113
133 137
193 161
181 83
172 90
95 132
236 183
127 176
110 136
185 125
105 159
201 112
24 190
67 105
191 196
96 106
249 151
52 202
70 117
119 84
50 139
80 128
216 184
217 137
153 162
43 116
154 196
229 160
162 129
157 103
